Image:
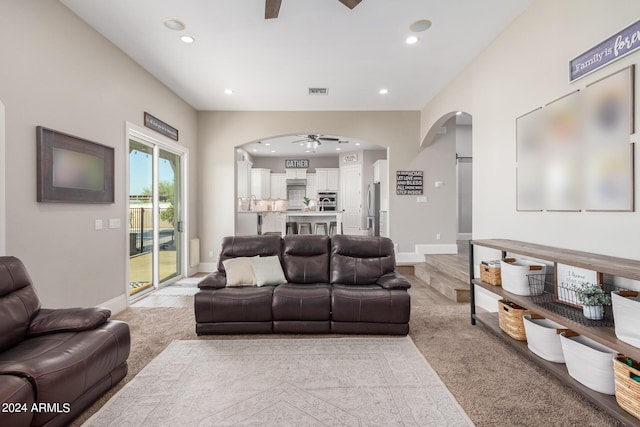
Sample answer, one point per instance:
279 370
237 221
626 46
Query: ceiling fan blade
300 140
350 3
271 8
326 138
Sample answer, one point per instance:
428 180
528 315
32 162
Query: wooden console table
605 335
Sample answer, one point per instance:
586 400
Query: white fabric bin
515 275
589 363
543 338
626 317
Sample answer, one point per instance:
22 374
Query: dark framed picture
72 169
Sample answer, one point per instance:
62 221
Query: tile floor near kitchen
178 294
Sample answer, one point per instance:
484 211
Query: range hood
296 182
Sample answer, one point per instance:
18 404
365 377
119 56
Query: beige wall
219 132
524 68
58 72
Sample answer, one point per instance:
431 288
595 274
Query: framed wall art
72 169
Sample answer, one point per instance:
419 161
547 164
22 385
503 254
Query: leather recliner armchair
53 363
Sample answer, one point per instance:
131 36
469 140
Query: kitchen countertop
313 213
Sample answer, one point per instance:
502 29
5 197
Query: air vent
318 91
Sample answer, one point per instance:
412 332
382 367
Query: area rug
359 381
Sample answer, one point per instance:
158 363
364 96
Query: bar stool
292 228
320 228
333 228
305 228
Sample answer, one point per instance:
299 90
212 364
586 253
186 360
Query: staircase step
452 265
453 288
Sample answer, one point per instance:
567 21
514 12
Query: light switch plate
421 199
99 224
114 222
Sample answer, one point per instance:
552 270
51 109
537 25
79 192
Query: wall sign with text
409 182
296 163
160 126
615 47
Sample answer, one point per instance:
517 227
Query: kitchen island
315 217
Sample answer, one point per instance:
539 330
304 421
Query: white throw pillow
268 270
239 272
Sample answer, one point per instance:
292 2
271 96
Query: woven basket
511 320
490 275
627 389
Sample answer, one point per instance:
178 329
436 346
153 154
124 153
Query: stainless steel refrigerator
373 209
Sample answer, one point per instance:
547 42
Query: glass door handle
180 226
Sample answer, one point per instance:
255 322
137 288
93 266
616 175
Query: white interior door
351 199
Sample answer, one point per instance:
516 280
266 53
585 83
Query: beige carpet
348 381
494 385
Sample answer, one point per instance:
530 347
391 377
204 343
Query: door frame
158 142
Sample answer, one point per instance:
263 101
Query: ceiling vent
318 91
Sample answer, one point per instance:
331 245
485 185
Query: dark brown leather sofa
344 284
53 363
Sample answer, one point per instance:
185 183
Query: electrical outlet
210 253
437 236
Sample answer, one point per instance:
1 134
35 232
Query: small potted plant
592 298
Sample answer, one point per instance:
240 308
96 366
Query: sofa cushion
295 302
239 272
248 304
369 303
306 258
267 270
248 246
360 260
18 300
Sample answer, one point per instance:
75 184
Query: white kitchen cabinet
296 173
243 178
381 175
328 179
261 183
246 223
279 186
350 196
312 189
273 222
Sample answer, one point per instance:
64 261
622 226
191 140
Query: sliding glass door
155 215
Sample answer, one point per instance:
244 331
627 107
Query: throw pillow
239 272
268 270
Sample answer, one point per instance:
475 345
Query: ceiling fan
272 7
316 139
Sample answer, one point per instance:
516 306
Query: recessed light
228 91
254 150
383 91
412 40
273 151
267 144
420 25
357 143
338 149
174 24
187 38
307 151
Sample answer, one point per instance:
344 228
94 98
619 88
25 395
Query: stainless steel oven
327 201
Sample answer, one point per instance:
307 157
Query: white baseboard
207 267
422 250
117 304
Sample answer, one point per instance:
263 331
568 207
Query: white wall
524 68
58 72
3 180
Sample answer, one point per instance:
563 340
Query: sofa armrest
215 280
393 280
49 321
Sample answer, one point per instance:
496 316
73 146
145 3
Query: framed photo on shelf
568 278
72 169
